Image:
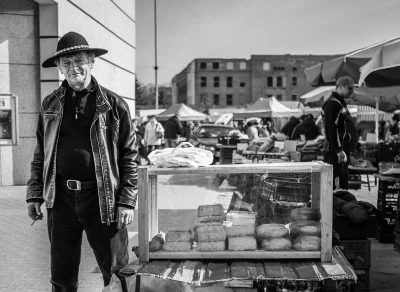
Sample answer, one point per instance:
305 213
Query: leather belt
76 185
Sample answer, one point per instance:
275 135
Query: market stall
264 224
269 108
185 113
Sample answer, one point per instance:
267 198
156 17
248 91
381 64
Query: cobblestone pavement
25 250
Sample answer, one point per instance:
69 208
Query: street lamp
155 51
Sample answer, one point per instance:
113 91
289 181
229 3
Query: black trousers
74 212
340 171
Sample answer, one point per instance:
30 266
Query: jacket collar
337 96
101 100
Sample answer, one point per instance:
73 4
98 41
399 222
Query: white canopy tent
185 113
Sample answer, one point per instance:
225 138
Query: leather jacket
112 139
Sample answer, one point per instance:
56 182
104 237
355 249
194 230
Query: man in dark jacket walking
341 133
173 131
308 128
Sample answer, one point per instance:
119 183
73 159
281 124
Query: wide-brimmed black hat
71 42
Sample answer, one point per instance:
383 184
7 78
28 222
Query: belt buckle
77 185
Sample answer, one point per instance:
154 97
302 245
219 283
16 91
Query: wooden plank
258 254
326 205
315 190
143 216
153 211
296 167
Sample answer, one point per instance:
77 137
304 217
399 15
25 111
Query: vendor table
363 171
193 275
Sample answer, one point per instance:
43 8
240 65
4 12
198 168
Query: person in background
394 126
287 129
269 127
153 134
382 131
139 142
262 133
173 131
188 130
252 131
308 128
341 133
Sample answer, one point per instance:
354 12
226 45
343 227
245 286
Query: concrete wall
19 74
29 31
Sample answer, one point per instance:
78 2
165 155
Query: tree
140 94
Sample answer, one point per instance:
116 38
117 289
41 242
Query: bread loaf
211 246
276 244
305 227
177 246
210 210
305 214
271 231
239 230
210 233
242 243
307 243
178 236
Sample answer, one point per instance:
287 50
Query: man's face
75 68
347 91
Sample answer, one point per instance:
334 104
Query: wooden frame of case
321 194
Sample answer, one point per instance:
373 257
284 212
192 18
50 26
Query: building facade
206 83
29 32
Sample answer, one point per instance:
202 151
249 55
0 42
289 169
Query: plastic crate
357 252
389 186
384 233
362 280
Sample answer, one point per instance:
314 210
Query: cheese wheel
242 243
307 243
177 246
276 244
210 233
178 236
239 230
305 227
304 214
271 231
211 246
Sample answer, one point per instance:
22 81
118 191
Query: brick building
236 82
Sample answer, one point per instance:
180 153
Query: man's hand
124 217
34 211
342 157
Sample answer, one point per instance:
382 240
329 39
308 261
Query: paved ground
24 249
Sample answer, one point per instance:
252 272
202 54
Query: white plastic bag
181 156
114 286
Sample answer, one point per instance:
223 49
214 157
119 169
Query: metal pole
155 51
377 119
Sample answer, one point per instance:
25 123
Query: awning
186 113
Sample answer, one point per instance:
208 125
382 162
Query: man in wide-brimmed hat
84 167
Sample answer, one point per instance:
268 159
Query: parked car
206 136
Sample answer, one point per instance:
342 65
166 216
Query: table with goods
249 226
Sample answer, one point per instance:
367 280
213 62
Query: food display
219 212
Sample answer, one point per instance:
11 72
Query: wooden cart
321 196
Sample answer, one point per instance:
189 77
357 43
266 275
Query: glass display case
255 211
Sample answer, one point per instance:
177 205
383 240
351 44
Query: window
229 65
229 99
203 65
294 81
242 84
216 99
229 81
269 95
266 66
279 68
279 97
279 82
242 65
294 97
294 69
203 81
215 65
216 81
270 81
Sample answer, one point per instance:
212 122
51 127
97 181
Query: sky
189 29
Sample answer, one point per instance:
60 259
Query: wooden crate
321 195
